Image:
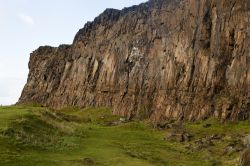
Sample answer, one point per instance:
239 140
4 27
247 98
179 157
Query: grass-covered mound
40 136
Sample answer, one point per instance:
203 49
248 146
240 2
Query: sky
27 24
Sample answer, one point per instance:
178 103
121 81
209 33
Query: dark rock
203 143
207 125
88 161
178 137
216 137
165 125
161 126
164 59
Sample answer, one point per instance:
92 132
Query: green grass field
35 136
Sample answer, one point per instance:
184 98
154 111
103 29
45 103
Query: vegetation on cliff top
40 136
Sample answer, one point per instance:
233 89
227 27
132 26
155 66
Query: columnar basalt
163 59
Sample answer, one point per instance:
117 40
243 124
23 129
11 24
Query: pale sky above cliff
27 24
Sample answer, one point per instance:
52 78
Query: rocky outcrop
164 59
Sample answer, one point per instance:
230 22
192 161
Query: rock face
245 158
164 59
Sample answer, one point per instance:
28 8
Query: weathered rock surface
246 141
245 158
164 59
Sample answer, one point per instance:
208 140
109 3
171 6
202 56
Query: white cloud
26 19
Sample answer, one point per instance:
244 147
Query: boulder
178 137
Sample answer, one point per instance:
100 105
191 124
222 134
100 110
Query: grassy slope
38 136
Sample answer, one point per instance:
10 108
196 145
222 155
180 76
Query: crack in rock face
163 60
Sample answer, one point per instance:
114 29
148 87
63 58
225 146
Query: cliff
164 59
